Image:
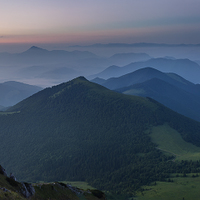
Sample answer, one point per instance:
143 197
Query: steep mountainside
82 131
175 98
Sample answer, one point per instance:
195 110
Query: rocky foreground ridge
25 189
11 189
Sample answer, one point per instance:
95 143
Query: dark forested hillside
82 131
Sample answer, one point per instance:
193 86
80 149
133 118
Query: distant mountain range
80 130
36 55
183 67
169 89
13 92
143 44
58 66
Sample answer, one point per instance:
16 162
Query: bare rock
27 190
3 171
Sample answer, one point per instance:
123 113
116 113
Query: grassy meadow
171 142
182 188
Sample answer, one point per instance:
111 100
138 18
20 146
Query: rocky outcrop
13 177
56 190
73 189
27 190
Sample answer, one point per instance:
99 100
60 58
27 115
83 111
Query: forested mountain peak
60 90
80 130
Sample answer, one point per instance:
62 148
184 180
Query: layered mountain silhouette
38 63
80 130
36 55
183 67
41 56
12 92
169 89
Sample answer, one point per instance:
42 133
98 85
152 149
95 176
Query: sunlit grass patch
171 142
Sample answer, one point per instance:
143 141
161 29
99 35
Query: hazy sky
99 21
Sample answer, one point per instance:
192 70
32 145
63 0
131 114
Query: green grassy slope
171 142
82 131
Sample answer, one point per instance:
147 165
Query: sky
84 22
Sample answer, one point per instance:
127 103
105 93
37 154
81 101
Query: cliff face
11 189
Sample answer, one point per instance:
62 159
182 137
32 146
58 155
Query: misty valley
105 121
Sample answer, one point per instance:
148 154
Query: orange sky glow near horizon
89 21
